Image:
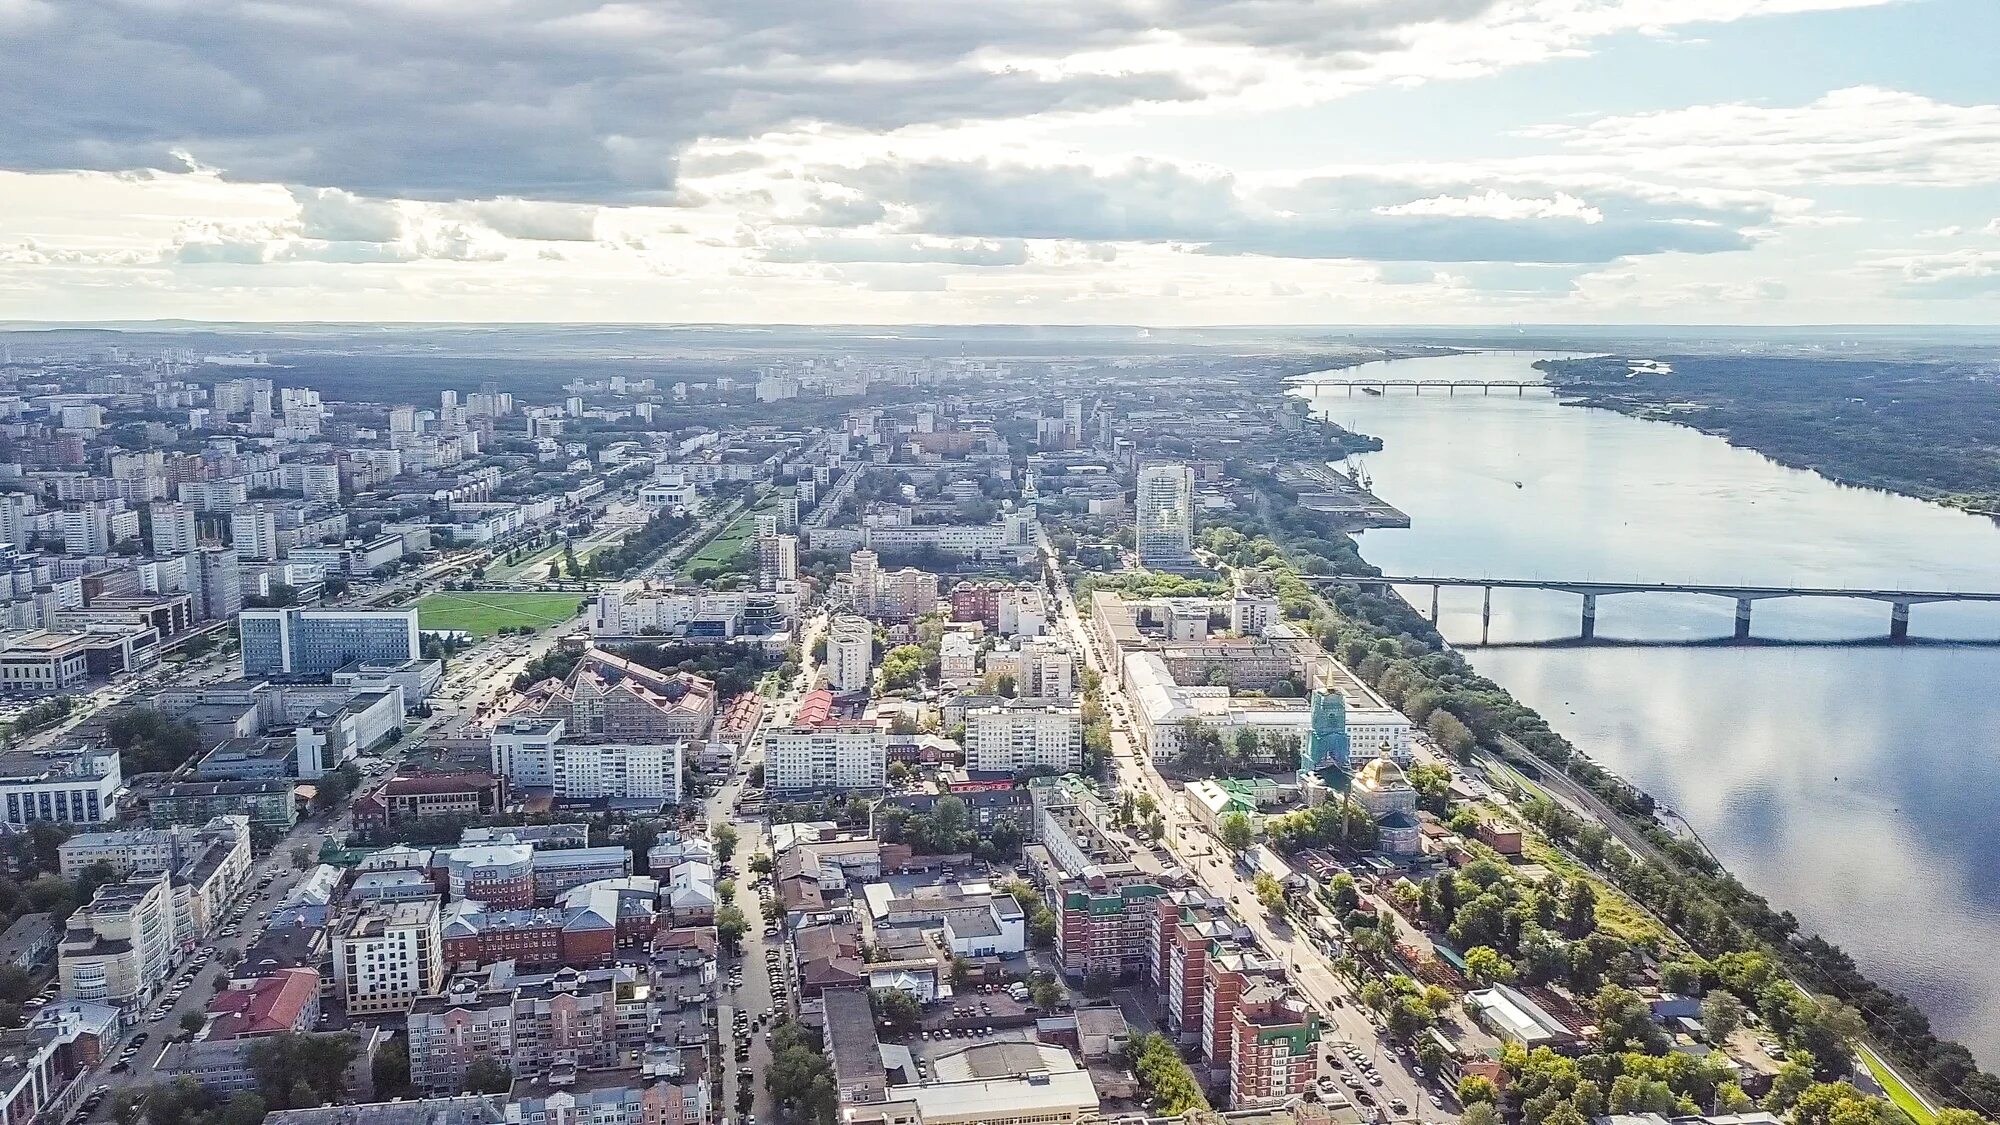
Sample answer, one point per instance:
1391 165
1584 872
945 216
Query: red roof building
285 1001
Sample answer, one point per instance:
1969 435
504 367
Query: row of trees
1204 752
800 1077
1391 645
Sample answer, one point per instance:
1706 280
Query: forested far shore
1924 429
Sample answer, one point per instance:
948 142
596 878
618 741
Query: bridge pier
1742 618
1899 621
1434 604
1589 616
1486 615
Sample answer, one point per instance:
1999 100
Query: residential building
829 757
905 595
608 696
850 643
1163 506
121 945
1274 1047
571 1017
269 804
533 753
319 642
29 942
387 956
1040 668
174 529
1021 736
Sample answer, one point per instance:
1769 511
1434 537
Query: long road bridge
1899 601
1449 386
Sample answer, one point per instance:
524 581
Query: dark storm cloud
579 101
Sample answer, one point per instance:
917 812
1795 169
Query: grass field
483 612
724 546
1905 1099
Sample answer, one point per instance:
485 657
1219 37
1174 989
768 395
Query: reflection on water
1848 782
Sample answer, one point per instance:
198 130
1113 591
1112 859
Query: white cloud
1863 135
340 216
1493 204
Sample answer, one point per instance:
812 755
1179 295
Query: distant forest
1930 430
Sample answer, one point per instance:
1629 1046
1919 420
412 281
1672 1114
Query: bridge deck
1717 589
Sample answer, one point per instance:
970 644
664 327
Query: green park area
484 613
716 555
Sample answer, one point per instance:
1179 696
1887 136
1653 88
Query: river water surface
1852 783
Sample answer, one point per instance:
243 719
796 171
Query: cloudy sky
879 161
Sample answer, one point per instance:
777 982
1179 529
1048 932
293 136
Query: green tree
1793 1079
192 1022
724 837
1721 1014
1625 1023
1270 892
1476 1088
486 1075
1683 976
1484 967
1479 1113
898 1010
1236 832
800 1078
761 863
390 1069
730 926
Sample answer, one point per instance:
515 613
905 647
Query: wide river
1854 784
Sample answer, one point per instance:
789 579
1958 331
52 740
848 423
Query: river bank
1930 430
1750 743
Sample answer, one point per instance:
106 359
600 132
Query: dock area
1324 489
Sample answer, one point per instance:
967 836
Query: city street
257 905
1205 858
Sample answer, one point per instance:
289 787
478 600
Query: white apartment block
1024 612
388 956
1163 506
174 531
120 947
1041 667
253 531
850 643
826 759
533 753
1022 736
958 658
